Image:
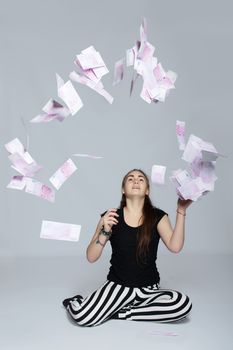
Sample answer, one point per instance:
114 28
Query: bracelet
105 233
179 212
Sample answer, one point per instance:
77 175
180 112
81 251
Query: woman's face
135 185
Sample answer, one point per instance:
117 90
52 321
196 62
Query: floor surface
32 317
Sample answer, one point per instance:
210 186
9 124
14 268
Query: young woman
132 291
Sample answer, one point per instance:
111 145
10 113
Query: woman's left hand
183 204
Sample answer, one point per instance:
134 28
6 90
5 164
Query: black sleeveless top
125 269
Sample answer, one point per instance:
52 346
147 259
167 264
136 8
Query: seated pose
132 291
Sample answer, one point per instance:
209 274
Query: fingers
111 213
110 218
184 203
111 222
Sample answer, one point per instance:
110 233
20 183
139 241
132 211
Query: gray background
39 38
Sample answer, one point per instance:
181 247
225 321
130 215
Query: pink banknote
194 148
118 71
84 155
133 82
69 95
52 110
186 186
130 57
60 231
163 333
206 170
201 158
180 131
97 86
145 51
91 68
63 173
43 118
22 166
91 63
15 146
158 174
21 160
157 83
143 30
40 190
180 176
192 190
17 182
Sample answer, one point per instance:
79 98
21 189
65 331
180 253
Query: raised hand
109 219
183 204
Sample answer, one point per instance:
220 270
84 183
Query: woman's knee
185 306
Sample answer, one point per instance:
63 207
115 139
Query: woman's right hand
109 219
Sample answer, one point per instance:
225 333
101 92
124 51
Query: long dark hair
148 219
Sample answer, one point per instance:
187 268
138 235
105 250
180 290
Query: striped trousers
127 303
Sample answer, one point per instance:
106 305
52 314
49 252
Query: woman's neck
134 206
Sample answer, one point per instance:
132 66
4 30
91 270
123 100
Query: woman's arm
174 238
98 241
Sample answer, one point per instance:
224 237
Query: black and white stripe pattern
140 304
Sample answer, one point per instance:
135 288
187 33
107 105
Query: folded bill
21 160
21 165
91 64
52 110
17 182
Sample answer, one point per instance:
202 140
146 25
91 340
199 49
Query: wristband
180 213
105 233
